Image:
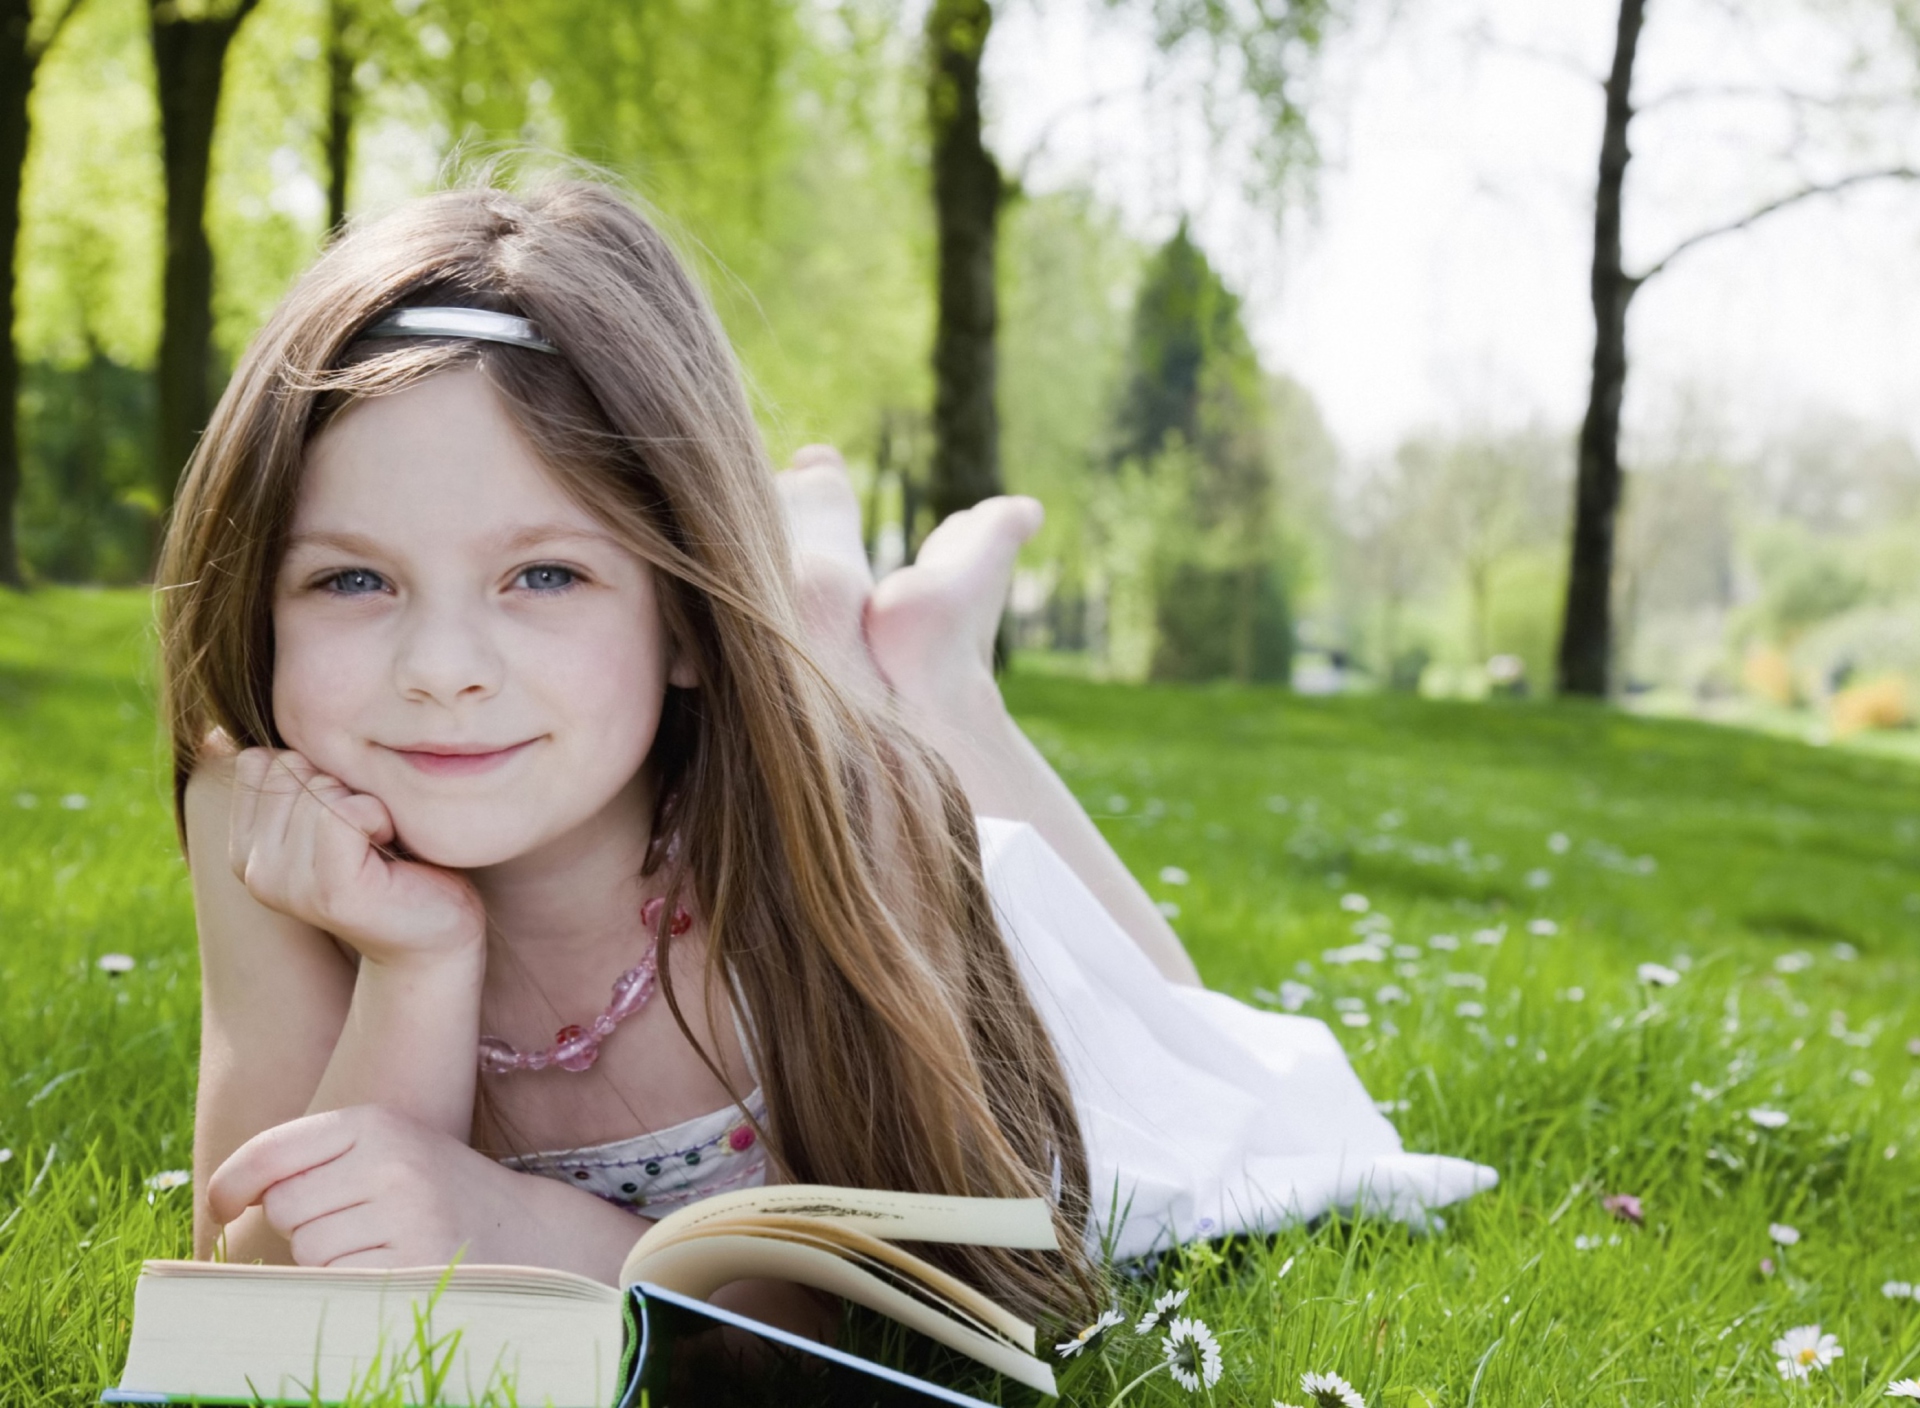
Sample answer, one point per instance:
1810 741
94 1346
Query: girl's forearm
409 1041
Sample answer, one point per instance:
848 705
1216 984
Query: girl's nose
446 653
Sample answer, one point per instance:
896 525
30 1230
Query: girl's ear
681 671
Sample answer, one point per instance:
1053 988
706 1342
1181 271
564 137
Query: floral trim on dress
667 1169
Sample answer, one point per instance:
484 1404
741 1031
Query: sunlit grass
1782 883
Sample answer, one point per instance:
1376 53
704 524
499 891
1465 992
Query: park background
1288 314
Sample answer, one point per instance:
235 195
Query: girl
545 878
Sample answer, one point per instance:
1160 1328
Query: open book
210 1333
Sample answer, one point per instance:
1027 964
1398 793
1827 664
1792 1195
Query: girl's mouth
460 760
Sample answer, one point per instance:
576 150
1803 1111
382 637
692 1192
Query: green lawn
1780 882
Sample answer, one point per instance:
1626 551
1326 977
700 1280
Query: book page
899 1217
699 1267
313 1334
951 1294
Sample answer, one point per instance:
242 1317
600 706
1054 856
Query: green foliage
1193 416
87 510
1069 275
1755 859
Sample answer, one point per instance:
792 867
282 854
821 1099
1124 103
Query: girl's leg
929 631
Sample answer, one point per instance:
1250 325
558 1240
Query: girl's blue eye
547 577
355 581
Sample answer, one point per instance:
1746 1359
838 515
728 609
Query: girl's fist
305 844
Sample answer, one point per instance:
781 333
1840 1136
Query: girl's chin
464 845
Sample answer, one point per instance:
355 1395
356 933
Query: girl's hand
304 844
367 1186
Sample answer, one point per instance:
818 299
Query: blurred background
1287 311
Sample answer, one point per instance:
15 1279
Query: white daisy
1193 1354
1897 1290
114 963
1330 1391
1172 1300
1066 1349
1173 875
1768 1119
1904 1388
1804 1349
1294 996
1355 904
1783 1235
1657 974
172 1178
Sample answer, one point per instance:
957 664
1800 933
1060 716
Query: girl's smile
460 759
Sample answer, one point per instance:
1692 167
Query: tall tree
1586 638
1585 664
341 55
189 58
22 45
1257 52
966 199
1193 414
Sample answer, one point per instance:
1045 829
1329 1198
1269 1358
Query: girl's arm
289 1028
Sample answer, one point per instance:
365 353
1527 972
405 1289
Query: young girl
576 830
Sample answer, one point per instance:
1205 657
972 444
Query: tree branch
1792 198
1482 36
1761 92
58 23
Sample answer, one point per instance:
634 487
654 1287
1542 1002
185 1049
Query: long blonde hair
832 855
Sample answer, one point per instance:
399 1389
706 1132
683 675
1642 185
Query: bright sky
1441 280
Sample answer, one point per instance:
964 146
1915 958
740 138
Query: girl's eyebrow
517 541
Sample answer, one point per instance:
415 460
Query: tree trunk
17 62
966 201
339 113
189 57
1586 633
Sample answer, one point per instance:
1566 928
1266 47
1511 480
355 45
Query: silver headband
481 324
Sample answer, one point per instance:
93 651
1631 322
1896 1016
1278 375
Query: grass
1781 882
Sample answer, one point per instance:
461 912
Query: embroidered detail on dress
639 1173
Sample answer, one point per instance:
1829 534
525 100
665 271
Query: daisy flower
1193 1354
1658 974
1066 1349
1171 1301
1768 1119
1783 1235
1330 1391
1804 1349
1904 1388
1897 1290
172 1178
114 963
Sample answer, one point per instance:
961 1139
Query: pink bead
741 1139
576 1050
538 1060
630 994
497 1058
650 914
682 921
603 1026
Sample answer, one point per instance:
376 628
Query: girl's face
457 637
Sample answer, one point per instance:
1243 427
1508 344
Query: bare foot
822 514
931 626
831 577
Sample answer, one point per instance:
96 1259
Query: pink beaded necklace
575 1048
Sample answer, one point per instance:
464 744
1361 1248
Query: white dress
1202 1116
